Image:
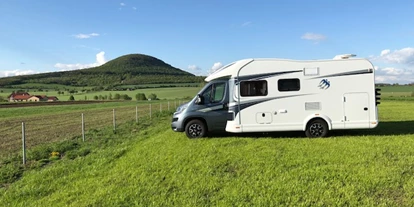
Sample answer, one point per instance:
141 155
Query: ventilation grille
312 106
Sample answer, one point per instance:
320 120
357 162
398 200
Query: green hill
132 69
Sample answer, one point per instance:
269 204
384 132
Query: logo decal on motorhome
324 84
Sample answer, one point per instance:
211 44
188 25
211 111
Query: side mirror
199 99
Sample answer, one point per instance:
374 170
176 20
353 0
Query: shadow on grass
385 128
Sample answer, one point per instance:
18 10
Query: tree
125 97
86 98
117 96
152 96
140 97
110 96
95 97
71 98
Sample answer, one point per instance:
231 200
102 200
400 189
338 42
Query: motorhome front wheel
195 129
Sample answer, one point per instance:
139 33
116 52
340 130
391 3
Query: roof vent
343 56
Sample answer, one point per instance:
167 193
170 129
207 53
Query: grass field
149 165
48 124
393 92
162 93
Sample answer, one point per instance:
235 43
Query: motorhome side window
253 88
288 84
214 93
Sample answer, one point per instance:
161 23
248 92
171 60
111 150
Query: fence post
114 120
150 111
24 143
136 113
83 128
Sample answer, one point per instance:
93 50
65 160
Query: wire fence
35 130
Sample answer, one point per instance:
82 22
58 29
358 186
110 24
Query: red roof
21 97
18 94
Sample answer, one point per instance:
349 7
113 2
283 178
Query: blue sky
198 36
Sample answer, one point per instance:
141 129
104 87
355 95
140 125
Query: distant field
397 89
162 93
397 92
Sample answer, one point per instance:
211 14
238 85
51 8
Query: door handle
282 111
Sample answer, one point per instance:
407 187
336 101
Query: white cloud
86 36
313 37
245 24
100 60
122 4
193 67
134 8
402 56
215 67
394 66
394 75
385 52
16 72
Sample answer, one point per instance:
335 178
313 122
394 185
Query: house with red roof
26 97
17 97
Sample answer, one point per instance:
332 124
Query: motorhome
268 95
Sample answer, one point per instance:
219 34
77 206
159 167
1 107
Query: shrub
125 97
152 96
140 97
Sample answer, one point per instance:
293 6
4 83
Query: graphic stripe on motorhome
235 108
356 72
211 108
263 76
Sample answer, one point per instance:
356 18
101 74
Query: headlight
181 108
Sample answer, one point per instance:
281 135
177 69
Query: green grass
397 88
397 92
55 110
150 165
49 124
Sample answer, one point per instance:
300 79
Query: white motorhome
266 95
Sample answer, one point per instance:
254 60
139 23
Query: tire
195 129
317 128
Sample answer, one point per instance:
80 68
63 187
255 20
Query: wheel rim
316 130
195 130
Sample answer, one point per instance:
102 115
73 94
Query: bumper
176 124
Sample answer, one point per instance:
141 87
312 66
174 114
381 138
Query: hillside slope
132 69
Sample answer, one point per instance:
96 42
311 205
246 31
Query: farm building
26 97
